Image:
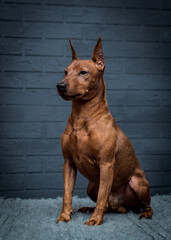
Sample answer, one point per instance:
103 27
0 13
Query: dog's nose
61 86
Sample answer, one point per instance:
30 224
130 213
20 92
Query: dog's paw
146 214
64 217
86 209
93 222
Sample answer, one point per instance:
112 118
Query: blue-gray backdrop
34 51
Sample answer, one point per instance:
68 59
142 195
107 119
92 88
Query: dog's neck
83 110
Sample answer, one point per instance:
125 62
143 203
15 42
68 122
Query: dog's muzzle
61 87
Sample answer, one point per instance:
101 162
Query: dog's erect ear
98 56
74 55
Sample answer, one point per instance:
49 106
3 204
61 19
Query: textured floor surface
35 219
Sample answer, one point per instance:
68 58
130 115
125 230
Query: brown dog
93 143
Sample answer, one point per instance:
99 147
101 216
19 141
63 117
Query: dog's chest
79 146
79 143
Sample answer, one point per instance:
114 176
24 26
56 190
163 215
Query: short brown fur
94 144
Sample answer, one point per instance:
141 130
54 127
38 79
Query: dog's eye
65 72
83 73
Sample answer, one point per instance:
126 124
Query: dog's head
82 77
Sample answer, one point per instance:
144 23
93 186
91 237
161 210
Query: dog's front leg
69 172
106 180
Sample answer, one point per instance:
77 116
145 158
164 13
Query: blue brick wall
34 51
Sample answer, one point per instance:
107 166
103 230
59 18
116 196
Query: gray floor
35 219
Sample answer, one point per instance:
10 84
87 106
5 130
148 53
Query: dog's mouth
70 97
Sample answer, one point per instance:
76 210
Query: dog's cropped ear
98 56
74 55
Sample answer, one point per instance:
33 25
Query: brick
83 15
14 164
113 65
152 17
11 147
157 114
36 194
44 48
131 81
166 130
12 114
25 1
8 12
136 114
166 18
1 166
166 70
43 81
81 184
166 4
1 30
115 49
166 163
146 98
124 16
157 146
1 98
23 30
115 33
165 50
46 181
40 14
34 164
67 30
166 34
101 3
11 80
54 164
55 130
138 145
142 130
165 83
160 190
142 33
40 147
165 98
152 50
61 2
9 46
1 63
29 64
83 49
22 130
11 182
139 66
116 98
158 179
56 64
48 114
156 50
19 97
151 162
51 98
141 4
155 179
125 114
166 178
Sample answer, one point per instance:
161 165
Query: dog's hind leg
140 185
92 191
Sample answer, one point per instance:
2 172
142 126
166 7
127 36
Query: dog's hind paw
147 213
86 209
